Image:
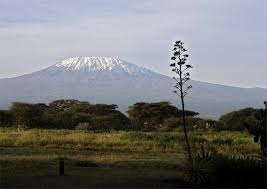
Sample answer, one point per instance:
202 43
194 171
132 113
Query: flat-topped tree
150 116
181 68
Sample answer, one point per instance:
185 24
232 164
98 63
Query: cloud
219 34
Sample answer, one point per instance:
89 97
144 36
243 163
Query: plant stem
184 122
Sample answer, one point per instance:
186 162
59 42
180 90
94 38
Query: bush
234 121
101 123
242 171
170 124
199 172
192 123
214 170
220 126
257 127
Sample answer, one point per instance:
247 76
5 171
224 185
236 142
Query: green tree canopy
63 105
29 115
65 114
70 113
100 116
150 116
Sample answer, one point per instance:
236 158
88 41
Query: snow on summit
100 64
89 63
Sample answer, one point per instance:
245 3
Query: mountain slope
111 80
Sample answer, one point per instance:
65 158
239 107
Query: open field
110 160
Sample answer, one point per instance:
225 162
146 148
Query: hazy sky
226 39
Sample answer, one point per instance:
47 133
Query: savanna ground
115 159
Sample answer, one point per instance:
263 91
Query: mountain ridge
58 64
93 64
122 86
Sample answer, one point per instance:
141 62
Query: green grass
127 141
114 160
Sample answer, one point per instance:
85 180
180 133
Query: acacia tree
180 68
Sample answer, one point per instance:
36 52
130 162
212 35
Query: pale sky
226 39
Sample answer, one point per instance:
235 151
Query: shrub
257 127
214 170
101 123
192 123
243 171
235 120
200 172
220 126
170 124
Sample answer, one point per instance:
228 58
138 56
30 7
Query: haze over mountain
115 81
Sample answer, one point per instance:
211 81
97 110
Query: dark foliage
100 117
239 172
210 169
85 163
53 118
192 123
150 116
27 115
65 114
234 121
257 127
64 105
6 118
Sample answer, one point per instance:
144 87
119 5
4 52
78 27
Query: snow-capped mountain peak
115 81
90 64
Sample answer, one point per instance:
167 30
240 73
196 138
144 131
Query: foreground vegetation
233 143
109 159
102 147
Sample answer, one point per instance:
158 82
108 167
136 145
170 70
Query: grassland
111 160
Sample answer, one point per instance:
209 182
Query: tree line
142 116
74 114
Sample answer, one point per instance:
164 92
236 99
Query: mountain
111 80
